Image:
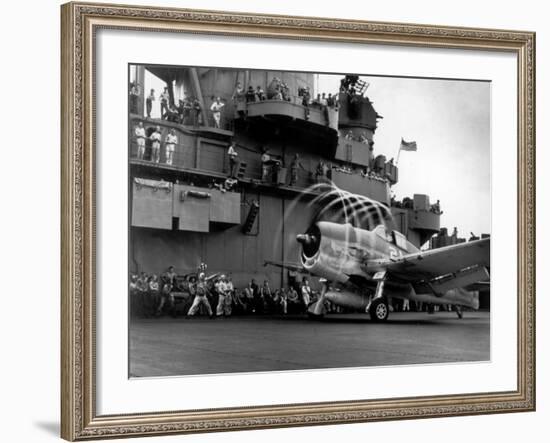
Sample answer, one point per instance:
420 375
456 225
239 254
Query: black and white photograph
286 221
275 221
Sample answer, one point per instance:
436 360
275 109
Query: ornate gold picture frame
80 22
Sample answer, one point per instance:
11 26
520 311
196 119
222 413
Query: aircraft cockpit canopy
395 237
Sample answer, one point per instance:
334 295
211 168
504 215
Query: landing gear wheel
379 310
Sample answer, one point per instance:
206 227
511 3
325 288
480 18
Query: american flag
407 146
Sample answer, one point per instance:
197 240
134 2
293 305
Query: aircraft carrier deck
182 346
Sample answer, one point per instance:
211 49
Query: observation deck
314 127
416 218
293 111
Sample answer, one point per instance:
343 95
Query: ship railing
192 120
183 159
293 107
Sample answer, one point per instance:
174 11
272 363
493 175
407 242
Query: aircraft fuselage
353 261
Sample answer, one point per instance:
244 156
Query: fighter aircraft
363 268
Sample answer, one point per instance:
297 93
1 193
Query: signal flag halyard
407 146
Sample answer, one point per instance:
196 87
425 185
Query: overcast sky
450 121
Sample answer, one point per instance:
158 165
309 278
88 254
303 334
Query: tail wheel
379 310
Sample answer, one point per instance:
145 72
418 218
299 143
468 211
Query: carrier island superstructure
182 215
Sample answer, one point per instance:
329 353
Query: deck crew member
171 142
134 98
155 145
166 295
164 99
233 160
200 297
229 296
140 138
197 111
250 95
238 98
292 299
180 111
266 164
187 106
284 301
294 169
267 297
306 292
171 275
285 92
142 288
240 301
238 93
306 97
247 297
254 291
216 109
320 171
133 284
317 100
221 289
273 90
154 291
260 94
149 102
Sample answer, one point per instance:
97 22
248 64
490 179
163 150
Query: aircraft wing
438 262
297 267
479 286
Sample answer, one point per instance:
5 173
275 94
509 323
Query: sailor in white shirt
200 297
221 289
164 99
139 132
233 160
306 292
171 141
155 145
216 109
